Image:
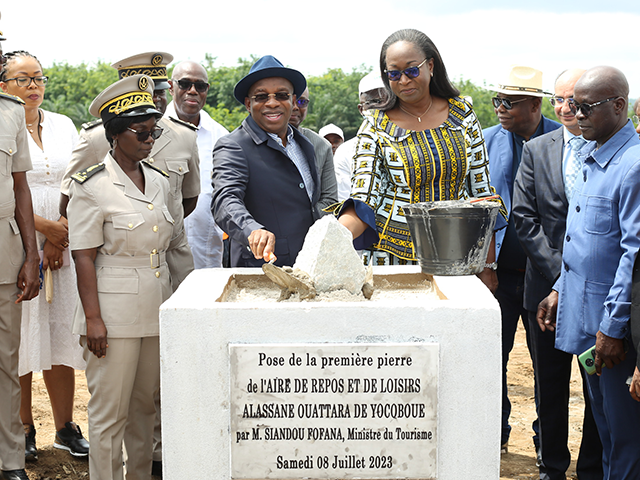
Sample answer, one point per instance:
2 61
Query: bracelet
492 265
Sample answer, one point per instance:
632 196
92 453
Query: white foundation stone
208 351
329 259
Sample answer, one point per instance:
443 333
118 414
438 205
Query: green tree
71 89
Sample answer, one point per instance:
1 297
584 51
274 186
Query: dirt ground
518 464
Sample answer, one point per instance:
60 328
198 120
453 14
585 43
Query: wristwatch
492 265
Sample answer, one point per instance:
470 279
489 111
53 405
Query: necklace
29 125
419 117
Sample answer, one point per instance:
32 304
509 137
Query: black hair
440 85
118 125
10 57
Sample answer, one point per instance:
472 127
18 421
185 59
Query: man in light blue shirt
593 294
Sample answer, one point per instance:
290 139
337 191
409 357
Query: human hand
609 351
57 234
28 280
97 337
51 257
489 277
547 310
634 388
262 242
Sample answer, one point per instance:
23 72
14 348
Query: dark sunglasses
142 136
302 102
280 96
40 80
559 100
201 87
505 102
411 72
586 108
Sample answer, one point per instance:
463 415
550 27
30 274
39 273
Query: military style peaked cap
129 97
153 64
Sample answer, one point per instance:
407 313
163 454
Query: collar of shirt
279 140
567 136
606 152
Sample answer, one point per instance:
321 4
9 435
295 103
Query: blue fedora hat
266 67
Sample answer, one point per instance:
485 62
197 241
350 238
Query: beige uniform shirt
14 157
132 231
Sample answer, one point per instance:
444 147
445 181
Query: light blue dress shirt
601 243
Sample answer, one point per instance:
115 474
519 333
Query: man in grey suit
322 148
542 190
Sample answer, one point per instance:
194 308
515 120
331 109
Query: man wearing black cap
265 180
18 278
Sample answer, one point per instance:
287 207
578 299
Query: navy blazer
500 150
540 213
256 185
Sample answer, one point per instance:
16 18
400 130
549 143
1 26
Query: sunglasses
505 102
40 81
302 102
280 96
586 108
200 86
142 136
559 100
411 72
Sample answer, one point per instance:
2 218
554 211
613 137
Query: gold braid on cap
153 72
128 101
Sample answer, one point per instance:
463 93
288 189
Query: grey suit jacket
326 172
539 212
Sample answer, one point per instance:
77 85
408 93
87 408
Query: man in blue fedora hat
265 180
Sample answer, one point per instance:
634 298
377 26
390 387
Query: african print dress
395 167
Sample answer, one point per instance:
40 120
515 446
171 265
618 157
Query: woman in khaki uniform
119 230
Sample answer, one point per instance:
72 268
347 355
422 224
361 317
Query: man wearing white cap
18 275
333 134
518 106
372 93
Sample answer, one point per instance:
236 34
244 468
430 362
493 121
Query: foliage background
333 95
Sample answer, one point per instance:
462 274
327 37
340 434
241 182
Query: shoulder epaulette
11 97
83 175
90 125
183 123
159 170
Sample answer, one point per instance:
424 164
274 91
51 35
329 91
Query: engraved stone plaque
334 410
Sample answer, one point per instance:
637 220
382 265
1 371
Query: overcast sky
477 40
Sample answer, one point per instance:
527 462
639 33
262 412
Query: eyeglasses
586 108
40 81
635 119
280 96
505 102
302 102
559 100
411 72
372 103
201 87
142 136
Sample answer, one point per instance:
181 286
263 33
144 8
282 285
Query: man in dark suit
542 190
517 104
265 180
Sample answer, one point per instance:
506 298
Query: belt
8 209
153 260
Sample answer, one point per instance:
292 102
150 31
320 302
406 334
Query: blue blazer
256 185
500 150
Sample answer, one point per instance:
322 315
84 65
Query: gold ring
56 262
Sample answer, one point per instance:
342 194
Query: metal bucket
452 237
